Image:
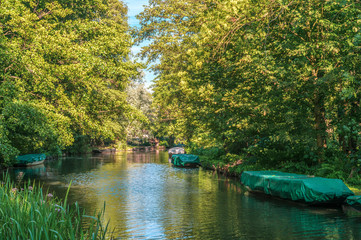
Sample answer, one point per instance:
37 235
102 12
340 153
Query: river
147 198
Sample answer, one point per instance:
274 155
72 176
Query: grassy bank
26 212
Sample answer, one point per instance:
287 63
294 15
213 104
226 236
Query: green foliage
7 151
330 171
63 72
230 158
271 152
80 145
277 82
212 152
33 130
297 167
28 213
164 143
139 120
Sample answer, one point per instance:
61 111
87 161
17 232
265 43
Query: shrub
163 143
211 152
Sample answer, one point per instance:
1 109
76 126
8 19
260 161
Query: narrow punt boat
185 160
29 160
302 188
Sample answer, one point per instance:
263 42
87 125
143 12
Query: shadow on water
146 198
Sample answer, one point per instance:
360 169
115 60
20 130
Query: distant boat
29 160
185 160
175 150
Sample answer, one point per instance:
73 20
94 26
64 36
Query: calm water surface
146 198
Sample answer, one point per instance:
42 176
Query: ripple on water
146 199
86 179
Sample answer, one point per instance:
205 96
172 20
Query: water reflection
146 198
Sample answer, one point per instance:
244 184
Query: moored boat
185 160
29 160
354 202
303 188
175 150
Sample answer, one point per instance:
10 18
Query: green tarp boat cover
296 187
183 160
30 158
354 201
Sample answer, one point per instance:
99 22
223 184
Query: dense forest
270 84
257 84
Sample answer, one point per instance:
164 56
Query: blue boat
30 160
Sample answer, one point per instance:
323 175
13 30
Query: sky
134 8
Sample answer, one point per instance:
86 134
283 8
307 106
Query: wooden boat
29 160
185 160
301 188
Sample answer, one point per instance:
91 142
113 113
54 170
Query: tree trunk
353 137
171 140
320 125
341 137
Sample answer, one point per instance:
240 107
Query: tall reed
28 213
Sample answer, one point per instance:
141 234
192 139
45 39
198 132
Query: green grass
28 213
356 190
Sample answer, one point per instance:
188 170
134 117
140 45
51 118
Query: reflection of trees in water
148 157
139 158
220 208
21 174
181 203
80 163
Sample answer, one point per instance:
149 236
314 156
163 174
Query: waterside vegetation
27 212
254 85
246 85
64 70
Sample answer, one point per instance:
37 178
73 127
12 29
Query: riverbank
27 212
235 168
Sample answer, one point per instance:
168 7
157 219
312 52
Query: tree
70 61
170 25
140 99
273 80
